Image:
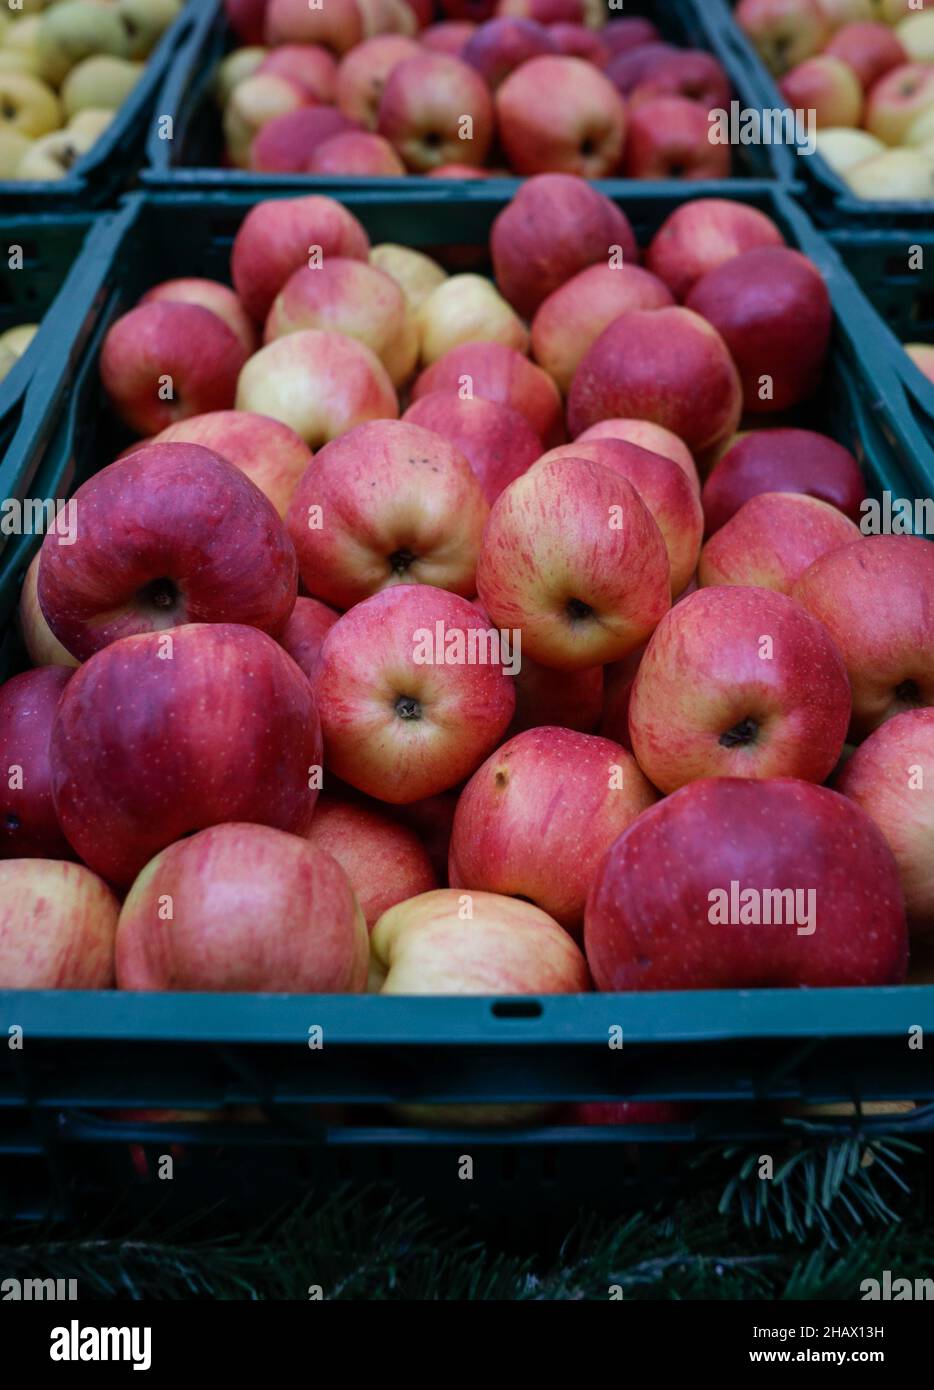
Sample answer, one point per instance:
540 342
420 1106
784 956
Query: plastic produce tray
191 159
741 1056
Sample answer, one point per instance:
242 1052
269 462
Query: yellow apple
916 36
13 147
76 29
28 105
896 176
415 273
921 129
91 122
101 82
53 155
237 66
843 147
467 309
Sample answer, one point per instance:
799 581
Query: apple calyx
741 734
402 560
162 595
407 707
578 611
908 695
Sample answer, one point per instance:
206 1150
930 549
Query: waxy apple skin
649 436
401 729
579 129
304 633
171 534
646 930
501 374
772 540
422 107
384 861
497 442
782 460
874 597
891 776
57 926
147 748
535 819
702 234
738 682
253 910
29 827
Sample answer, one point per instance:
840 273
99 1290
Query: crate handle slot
516 1008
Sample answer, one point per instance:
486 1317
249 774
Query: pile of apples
66 66
374 88
326 700
866 69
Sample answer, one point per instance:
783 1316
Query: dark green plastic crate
740 1056
191 159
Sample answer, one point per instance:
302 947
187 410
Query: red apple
874 597
173 534
311 67
696 75
287 144
42 646
648 436
320 384
165 361
891 777
536 818
356 154
253 103
498 442
871 49
772 540
627 68
897 99
166 733
572 557
555 226
252 910
246 18
668 138
580 129
436 110
412 692
785 32
738 683
827 88
621 35
498 373
739 854
57 926
278 236
702 234
449 36
574 315
29 827
669 366
303 635
362 75
783 460
384 861
435 944
387 503
336 25
210 294
577 41
499 46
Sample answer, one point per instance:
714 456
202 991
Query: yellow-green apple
415 273
466 309
51 156
497 442
338 25
356 154
385 862
362 75
738 682
452 942
320 384
632 66
434 110
387 503
673 501
572 556
874 597
669 366
871 49
580 129
304 633
691 73
555 226
412 692
783 460
348 296
915 35
499 46
288 143
843 149
27 105
784 32
767 884
668 138
13 146
57 926
535 819
498 373
574 315
891 777
577 41
827 88
236 67
210 294
76 29
253 103
165 361
171 534
145 21
921 131
242 908
29 827
42 646
703 233
447 36
772 540
897 99
246 19
99 82
773 311
902 175
163 734
271 455
649 436
922 355
311 67
278 236
621 35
